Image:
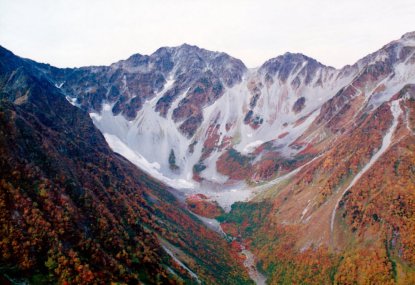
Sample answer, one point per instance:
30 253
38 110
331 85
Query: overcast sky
69 33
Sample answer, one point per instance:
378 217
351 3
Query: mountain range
185 166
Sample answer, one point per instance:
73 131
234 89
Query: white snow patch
227 197
106 107
72 101
151 168
251 146
95 117
304 212
59 85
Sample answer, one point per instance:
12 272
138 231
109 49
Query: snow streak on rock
387 139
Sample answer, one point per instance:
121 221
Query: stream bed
249 262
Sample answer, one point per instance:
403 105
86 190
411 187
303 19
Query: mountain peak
290 58
408 39
291 63
409 35
189 46
296 55
299 57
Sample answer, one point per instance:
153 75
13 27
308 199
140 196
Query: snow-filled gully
387 139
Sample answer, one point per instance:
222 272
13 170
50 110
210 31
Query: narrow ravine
407 123
396 112
212 224
170 250
250 264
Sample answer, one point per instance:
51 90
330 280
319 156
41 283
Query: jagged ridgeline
130 172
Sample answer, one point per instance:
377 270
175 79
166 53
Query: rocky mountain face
347 215
220 119
327 152
74 212
223 122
